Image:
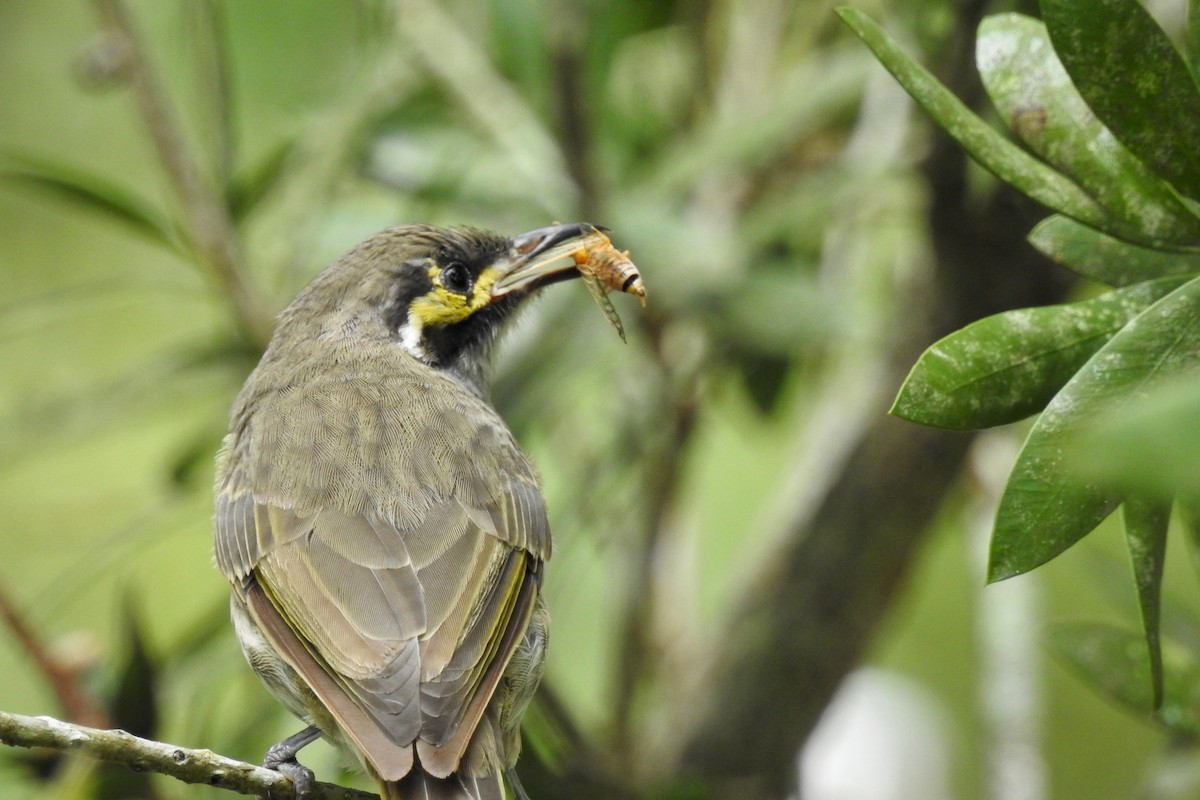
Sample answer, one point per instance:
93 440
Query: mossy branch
143 755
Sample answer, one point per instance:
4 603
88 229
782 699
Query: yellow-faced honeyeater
382 531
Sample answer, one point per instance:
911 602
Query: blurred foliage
1101 95
746 152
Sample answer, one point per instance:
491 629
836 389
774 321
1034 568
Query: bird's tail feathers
420 785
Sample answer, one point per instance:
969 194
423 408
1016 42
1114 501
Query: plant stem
208 221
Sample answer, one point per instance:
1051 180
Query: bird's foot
281 757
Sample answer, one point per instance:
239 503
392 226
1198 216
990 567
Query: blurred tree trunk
791 644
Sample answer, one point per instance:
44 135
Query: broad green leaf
1146 524
1045 509
1114 661
1033 94
992 150
1005 367
1108 574
1132 76
93 193
1151 446
1100 257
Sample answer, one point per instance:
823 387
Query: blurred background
748 549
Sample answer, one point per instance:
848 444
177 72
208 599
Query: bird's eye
456 278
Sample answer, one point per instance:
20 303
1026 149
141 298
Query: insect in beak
560 252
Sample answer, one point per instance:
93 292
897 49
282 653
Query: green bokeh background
91 522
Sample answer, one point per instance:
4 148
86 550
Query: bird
382 532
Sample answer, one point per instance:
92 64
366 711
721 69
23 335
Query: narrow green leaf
93 193
1034 95
133 706
1190 517
1132 76
1192 34
1005 367
1146 524
992 150
1114 662
192 465
1104 259
1045 509
248 188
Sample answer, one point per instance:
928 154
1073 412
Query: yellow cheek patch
444 307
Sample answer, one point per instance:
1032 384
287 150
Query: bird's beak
540 257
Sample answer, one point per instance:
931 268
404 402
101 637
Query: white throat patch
410 336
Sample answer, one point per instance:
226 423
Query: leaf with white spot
1044 510
1104 259
987 146
1008 366
1036 98
1131 75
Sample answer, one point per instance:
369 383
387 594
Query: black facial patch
412 281
474 250
445 344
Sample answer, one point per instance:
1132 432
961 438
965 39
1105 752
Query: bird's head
441 294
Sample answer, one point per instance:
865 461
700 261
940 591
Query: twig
62 679
143 755
208 219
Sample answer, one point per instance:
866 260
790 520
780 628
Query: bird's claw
285 763
281 757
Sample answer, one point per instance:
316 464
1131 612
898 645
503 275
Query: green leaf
192 465
1192 34
1146 523
93 193
133 706
1034 95
1005 367
1114 661
1152 446
1132 76
1045 509
248 188
1102 258
992 150
1190 517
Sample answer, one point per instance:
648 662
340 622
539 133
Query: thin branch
208 220
63 680
143 755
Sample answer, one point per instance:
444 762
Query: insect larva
605 269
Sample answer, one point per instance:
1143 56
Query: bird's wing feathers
390 761
457 703
414 626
